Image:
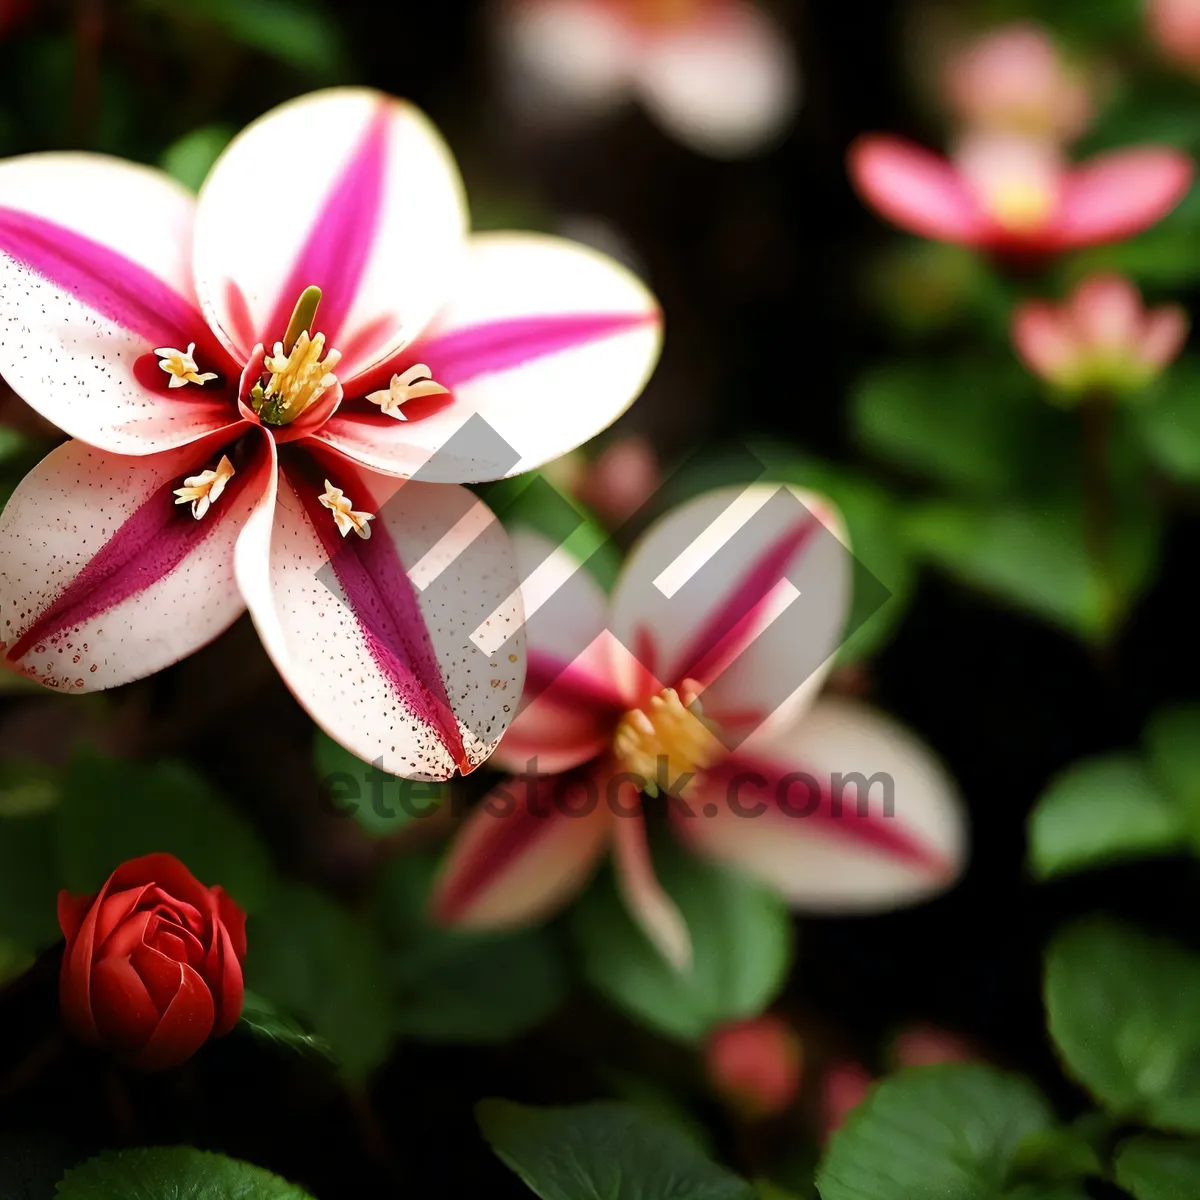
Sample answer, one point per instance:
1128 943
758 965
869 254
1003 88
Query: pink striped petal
745 590
374 636
1121 193
654 910
725 83
570 705
547 340
347 189
1045 342
103 578
95 275
917 190
522 854
822 855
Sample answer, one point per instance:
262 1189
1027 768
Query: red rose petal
185 1026
125 1015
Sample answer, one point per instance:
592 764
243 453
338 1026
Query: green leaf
1172 740
381 803
262 1020
1155 1169
457 985
1100 811
1034 556
1167 421
14 960
980 428
1056 1154
603 1150
741 948
1121 1008
316 960
113 810
173 1173
946 1132
28 788
191 157
28 883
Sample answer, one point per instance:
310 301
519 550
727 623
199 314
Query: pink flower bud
1174 26
621 480
843 1087
1102 338
755 1065
922 1045
1015 79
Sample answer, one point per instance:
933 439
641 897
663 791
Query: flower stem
1097 496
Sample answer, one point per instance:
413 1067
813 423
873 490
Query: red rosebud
755 1065
153 965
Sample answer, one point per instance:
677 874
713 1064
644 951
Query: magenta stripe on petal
149 545
384 601
567 684
753 589
466 354
339 246
107 282
871 830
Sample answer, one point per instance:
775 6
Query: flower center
668 738
1020 204
296 376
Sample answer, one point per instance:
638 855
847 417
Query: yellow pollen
670 736
344 514
181 366
414 383
204 490
1021 205
299 379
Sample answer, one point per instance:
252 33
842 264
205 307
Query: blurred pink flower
755 1065
1102 337
1174 26
600 726
1013 194
922 1045
1015 79
717 74
621 479
844 1086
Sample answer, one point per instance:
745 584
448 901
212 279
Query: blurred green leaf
1100 811
382 804
980 428
1034 557
603 1150
28 883
172 1173
1172 740
461 986
1056 1154
302 33
1167 421
1121 1008
262 1020
28 788
1151 1168
14 960
952 1130
113 810
191 157
741 948
314 959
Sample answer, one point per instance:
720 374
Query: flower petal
522 854
745 590
547 340
184 1027
374 636
125 1013
103 577
1164 335
346 189
1108 311
916 190
1044 340
95 275
724 83
1121 193
806 841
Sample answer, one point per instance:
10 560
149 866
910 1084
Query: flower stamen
344 514
670 736
181 366
416 382
298 379
204 490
